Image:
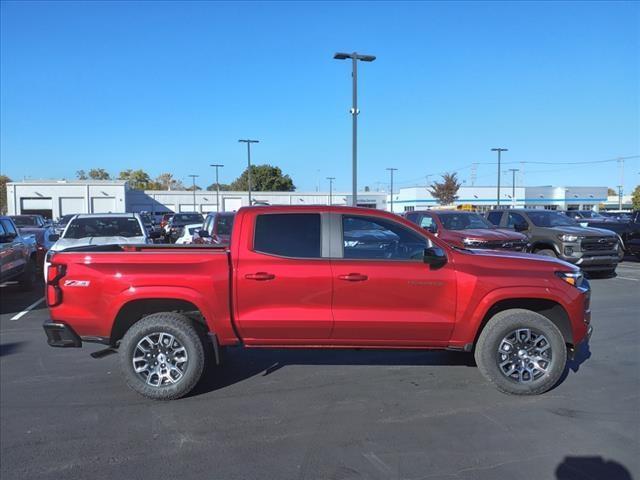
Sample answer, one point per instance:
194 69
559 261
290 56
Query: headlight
572 278
569 238
472 241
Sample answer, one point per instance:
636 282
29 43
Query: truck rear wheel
521 352
162 356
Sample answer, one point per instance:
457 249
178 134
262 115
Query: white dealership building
55 198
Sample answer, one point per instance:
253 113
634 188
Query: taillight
54 273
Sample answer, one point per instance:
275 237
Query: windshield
25 221
103 227
463 221
551 219
225 223
187 218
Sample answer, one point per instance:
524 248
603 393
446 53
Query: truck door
384 294
282 280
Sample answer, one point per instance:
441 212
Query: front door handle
353 277
260 276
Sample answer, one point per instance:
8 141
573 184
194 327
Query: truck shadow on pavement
9 348
591 468
239 363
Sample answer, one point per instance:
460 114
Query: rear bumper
61 335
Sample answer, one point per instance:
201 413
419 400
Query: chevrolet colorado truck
317 277
17 255
553 234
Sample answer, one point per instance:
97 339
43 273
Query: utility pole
621 186
391 170
249 142
217 166
499 150
513 184
331 179
354 113
193 177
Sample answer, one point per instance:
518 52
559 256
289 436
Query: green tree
190 188
3 193
223 186
98 174
635 198
446 191
264 178
81 175
167 182
138 179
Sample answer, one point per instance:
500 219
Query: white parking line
627 278
18 316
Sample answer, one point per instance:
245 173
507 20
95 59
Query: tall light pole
249 142
391 170
513 184
331 179
217 166
354 114
193 177
499 150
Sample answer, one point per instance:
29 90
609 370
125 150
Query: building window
409 208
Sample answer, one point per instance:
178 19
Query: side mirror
435 257
54 237
204 233
521 227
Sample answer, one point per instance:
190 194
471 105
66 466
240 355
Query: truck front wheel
162 356
521 352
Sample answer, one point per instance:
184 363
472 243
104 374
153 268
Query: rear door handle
260 276
353 277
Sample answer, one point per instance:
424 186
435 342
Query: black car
626 229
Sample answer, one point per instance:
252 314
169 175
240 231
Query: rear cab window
293 235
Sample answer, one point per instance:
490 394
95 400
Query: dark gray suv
553 234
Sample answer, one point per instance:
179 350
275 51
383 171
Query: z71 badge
77 283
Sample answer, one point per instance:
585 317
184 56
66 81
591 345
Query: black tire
187 336
499 327
547 252
28 278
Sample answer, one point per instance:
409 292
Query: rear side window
8 227
288 234
494 217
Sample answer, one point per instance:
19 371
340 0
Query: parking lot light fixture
217 166
355 57
391 170
193 177
499 150
331 179
249 142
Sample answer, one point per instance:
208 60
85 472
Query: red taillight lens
54 294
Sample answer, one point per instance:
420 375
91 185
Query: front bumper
61 335
593 262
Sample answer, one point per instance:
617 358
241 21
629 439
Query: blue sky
172 86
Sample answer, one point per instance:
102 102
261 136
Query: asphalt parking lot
277 414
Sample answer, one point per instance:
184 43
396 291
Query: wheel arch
548 308
134 310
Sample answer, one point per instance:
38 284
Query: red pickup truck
317 276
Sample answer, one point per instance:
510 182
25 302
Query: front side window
8 227
377 239
494 217
24 221
288 234
428 223
515 219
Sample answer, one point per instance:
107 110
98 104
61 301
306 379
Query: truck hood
487 234
525 259
581 231
82 242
